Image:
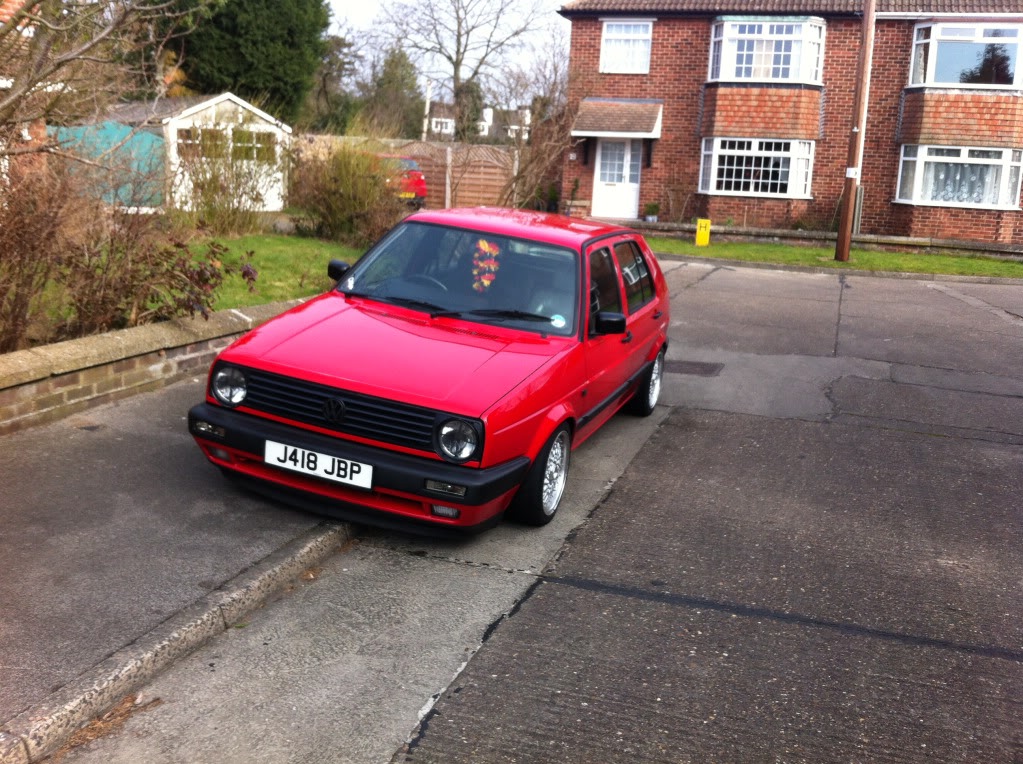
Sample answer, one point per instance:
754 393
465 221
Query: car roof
525 224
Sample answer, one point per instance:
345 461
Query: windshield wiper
435 311
512 315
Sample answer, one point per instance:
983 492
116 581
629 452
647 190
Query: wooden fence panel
471 174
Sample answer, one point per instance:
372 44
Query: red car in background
411 181
445 380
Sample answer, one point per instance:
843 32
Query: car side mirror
606 322
337 269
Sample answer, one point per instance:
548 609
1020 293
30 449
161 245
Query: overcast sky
359 14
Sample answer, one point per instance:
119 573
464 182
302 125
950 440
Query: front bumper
399 479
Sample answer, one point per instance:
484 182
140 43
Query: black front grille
365 415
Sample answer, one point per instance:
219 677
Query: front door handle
658 314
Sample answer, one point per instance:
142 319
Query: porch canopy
618 118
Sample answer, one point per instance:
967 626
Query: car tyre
540 495
645 399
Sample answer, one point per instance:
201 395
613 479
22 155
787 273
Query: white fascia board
242 104
978 18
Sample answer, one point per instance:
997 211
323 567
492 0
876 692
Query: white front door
616 181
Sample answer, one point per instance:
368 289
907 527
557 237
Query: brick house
494 126
34 131
8 8
741 111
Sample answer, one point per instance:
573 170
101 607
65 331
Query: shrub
34 204
347 195
127 272
72 266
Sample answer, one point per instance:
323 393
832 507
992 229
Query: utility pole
854 165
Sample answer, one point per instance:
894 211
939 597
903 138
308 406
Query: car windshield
477 276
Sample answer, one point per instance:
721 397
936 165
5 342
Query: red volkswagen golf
447 377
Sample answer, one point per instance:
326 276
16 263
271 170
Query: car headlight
457 440
229 385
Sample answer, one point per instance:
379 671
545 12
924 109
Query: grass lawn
824 257
295 266
287 266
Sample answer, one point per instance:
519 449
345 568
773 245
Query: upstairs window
974 55
442 126
625 47
765 50
954 176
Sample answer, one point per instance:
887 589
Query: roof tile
611 115
822 7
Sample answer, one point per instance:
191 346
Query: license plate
317 464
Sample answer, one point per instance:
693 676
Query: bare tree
539 76
65 59
463 41
542 84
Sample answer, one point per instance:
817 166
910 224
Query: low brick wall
47 383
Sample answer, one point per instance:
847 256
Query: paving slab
778 591
112 522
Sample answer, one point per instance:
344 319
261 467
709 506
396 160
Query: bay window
769 50
977 55
953 176
756 167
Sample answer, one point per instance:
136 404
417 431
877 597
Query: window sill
951 88
960 206
767 84
773 197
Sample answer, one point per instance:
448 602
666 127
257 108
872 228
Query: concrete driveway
815 557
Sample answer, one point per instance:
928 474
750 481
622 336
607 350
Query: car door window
639 285
604 291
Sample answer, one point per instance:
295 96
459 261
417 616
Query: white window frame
442 126
759 49
930 39
756 167
249 144
626 45
916 178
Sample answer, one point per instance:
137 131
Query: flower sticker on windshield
484 265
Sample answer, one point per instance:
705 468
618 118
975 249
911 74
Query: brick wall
45 384
960 223
7 9
957 118
762 112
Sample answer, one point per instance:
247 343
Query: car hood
371 348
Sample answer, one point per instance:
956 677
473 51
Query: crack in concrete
976 302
